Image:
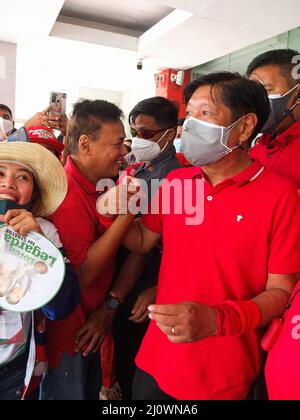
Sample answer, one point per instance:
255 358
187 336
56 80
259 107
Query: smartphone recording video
57 103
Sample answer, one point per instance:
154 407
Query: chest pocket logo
239 218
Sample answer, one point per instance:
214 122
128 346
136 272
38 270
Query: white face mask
6 127
146 150
204 143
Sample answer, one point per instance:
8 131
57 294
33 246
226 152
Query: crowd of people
191 293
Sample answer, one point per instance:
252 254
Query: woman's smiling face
16 183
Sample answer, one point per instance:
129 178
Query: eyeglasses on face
144 133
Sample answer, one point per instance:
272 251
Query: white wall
67 66
113 96
8 74
143 87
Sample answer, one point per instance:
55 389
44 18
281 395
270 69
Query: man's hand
118 199
40 118
58 122
22 221
140 307
185 322
45 117
90 336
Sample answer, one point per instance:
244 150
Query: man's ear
171 135
84 146
247 127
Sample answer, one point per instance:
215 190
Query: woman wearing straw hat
32 186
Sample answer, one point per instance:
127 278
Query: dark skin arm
129 274
102 251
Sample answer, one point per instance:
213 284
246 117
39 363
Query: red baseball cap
43 135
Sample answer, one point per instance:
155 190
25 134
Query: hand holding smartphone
57 118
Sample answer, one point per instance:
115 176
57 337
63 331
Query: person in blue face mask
279 147
177 141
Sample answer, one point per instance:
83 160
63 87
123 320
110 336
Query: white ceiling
187 32
96 43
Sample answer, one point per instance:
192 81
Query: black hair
88 118
238 93
282 58
36 198
164 112
6 108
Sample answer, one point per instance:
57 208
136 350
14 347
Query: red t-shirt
281 154
79 226
283 363
246 234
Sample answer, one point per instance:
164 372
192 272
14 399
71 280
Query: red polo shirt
244 236
281 154
283 363
77 222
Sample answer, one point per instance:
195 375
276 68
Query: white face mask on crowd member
147 150
204 143
6 127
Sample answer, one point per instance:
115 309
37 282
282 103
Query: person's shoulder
279 184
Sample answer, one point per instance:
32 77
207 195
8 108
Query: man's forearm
271 304
129 274
101 253
139 239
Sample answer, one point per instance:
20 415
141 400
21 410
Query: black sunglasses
146 134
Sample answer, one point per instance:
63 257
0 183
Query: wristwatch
112 302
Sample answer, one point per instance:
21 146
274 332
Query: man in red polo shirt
279 147
279 150
96 151
223 279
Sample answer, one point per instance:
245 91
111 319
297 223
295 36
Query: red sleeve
153 220
285 236
77 231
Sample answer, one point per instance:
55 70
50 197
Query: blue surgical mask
279 110
204 143
177 145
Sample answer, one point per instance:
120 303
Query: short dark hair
282 58
6 108
88 118
238 93
164 112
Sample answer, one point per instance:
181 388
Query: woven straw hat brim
47 169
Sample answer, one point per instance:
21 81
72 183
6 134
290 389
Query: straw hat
46 168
